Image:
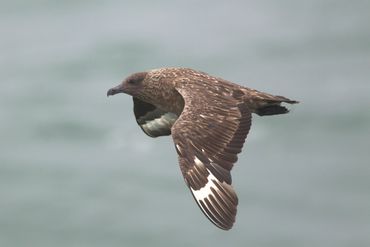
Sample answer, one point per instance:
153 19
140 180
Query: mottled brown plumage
209 119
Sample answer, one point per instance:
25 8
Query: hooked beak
115 90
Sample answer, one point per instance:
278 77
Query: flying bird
209 119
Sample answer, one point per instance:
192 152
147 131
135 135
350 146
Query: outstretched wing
152 120
208 135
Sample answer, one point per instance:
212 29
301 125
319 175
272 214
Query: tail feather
273 106
281 99
264 104
271 110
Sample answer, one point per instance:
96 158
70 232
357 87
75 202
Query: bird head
132 85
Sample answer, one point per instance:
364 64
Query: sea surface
76 170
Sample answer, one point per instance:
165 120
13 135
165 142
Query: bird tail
264 104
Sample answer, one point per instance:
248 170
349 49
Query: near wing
208 135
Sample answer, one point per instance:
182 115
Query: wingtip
218 201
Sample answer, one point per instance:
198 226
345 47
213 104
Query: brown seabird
209 119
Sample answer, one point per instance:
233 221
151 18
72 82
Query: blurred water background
76 170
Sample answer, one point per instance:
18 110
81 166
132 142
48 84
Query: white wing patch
197 161
206 190
217 200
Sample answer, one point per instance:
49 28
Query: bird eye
135 79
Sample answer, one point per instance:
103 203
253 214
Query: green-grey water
76 170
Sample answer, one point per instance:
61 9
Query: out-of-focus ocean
76 170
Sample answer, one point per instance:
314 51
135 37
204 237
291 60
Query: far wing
152 120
